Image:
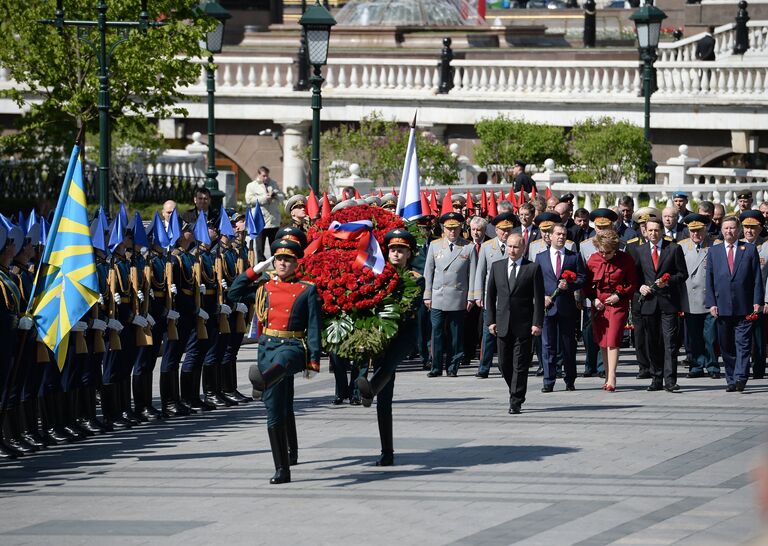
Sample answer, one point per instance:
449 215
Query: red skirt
608 325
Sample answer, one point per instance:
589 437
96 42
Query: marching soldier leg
230 359
110 404
211 373
290 424
384 419
758 347
275 398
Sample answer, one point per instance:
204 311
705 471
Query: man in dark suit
202 204
673 229
521 179
581 230
680 200
659 302
515 285
527 230
626 227
734 290
561 314
705 47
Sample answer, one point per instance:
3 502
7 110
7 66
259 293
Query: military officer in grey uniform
752 227
700 325
490 252
449 273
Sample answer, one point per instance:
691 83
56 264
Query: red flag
484 202
394 192
381 194
522 196
547 193
533 191
447 203
470 203
426 210
326 214
511 197
501 196
492 210
313 207
433 203
357 194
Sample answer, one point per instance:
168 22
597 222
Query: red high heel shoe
610 388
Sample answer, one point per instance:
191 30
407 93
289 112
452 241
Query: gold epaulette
717 242
488 242
633 240
261 306
416 274
668 238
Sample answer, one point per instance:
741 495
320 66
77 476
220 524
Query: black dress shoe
694 375
547 388
386 459
354 401
434 374
481 375
601 375
655 387
740 385
672 388
540 372
570 387
514 409
714 375
337 401
450 374
644 375
730 388
587 374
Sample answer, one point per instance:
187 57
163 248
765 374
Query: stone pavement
584 467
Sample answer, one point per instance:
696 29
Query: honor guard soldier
449 293
490 251
700 326
400 245
289 311
752 226
373 201
389 202
296 207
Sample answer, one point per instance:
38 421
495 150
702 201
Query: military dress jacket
449 274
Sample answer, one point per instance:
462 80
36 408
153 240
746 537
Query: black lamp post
648 26
302 83
317 22
103 56
213 43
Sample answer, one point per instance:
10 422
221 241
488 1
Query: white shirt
517 264
553 252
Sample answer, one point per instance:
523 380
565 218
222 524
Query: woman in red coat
611 281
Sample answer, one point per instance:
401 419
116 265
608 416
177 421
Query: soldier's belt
158 294
187 292
284 333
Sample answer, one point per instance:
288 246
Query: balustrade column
295 137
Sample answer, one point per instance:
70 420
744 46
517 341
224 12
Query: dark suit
523 297
627 232
532 235
734 295
680 233
525 182
561 318
578 235
658 311
705 48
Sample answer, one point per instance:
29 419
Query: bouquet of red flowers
361 307
568 276
752 317
654 287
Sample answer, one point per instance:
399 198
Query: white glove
150 319
139 321
144 251
174 290
224 284
117 298
101 300
241 308
202 290
98 324
173 315
261 267
225 309
140 295
26 323
202 314
112 324
80 326
151 292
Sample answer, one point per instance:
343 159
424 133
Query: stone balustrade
725 37
721 79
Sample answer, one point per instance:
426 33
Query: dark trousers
197 348
424 331
734 334
700 336
345 372
452 347
261 241
660 330
117 365
473 326
641 348
8 380
487 348
147 356
91 376
173 350
758 346
559 340
514 361
593 361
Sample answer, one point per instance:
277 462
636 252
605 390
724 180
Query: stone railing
725 37
748 79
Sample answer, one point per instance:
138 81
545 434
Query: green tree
378 146
504 140
605 150
58 73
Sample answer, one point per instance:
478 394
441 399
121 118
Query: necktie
558 265
655 257
477 249
503 249
513 274
698 247
730 258
450 247
525 237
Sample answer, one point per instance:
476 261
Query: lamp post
648 26
103 56
213 43
317 22
301 58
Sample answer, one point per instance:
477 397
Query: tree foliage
605 151
59 72
504 140
378 146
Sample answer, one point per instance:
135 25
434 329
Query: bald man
168 207
673 230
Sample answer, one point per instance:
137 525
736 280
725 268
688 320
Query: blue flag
14 232
174 228
201 230
45 227
23 221
157 232
257 221
117 231
225 226
34 228
66 286
98 229
140 238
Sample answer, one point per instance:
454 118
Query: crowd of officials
532 280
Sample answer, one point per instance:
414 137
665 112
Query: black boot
30 430
155 413
12 435
369 389
262 381
52 434
211 388
87 411
385 434
293 440
73 417
278 441
141 399
197 376
6 451
226 386
126 409
110 408
240 397
170 403
188 395
63 417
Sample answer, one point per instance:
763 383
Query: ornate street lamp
648 26
317 22
213 43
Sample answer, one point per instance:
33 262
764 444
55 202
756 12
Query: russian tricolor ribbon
368 250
